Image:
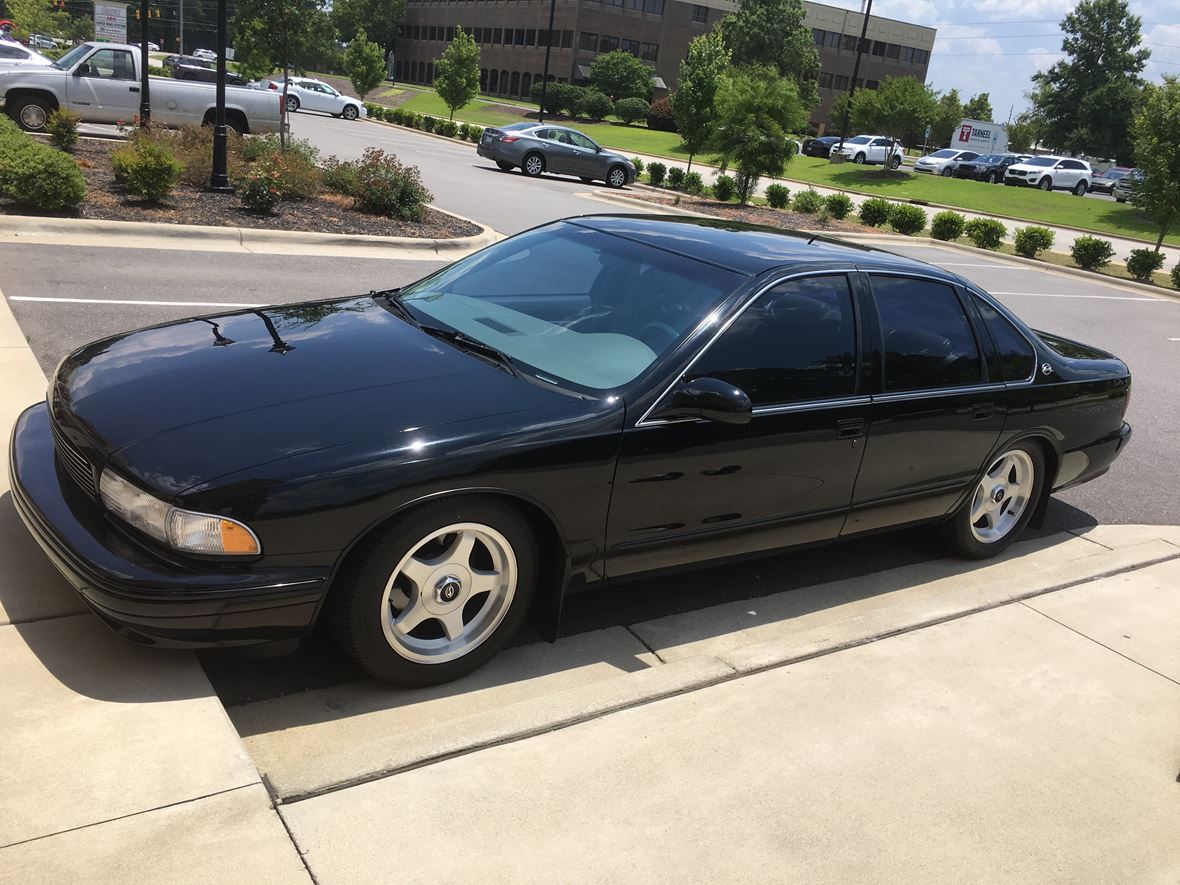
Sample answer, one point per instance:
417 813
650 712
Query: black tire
895 163
350 112
992 178
616 177
859 158
1045 184
30 113
504 167
533 164
947 172
357 598
1119 200
1080 189
958 531
586 180
292 104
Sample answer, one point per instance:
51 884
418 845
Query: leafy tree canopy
771 32
364 62
696 90
947 114
621 75
456 73
1155 135
900 105
379 18
979 108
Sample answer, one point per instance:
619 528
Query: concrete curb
179 236
434 135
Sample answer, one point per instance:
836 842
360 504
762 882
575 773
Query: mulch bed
328 213
751 214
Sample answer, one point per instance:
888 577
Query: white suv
871 149
1051 173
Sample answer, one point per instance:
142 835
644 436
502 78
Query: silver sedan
538 148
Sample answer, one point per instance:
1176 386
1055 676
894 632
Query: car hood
180 404
932 161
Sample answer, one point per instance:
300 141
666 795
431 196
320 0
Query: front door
584 159
938 415
691 490
104 88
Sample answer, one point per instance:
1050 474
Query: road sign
110 22
927 135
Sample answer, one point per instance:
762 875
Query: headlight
180 529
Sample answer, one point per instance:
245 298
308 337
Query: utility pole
860 45
548 49
180 48
145 102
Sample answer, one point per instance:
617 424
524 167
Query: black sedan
594 398
989 167
820 147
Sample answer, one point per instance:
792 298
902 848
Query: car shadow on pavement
549 177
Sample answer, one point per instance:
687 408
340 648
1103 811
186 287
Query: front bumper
139 594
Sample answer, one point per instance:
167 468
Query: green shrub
412 119
693 183
157 71
808 202
373 110
62 126
675 177
338 176
1091 252
1176 275
778 196
1032 239
947 225
572 98
631 109
724 188
147 169
386 187
394 115
553 96
638 164
907 219
449 128
986 233
476 134
428 123
656 173
874 212
1144 262
596 105
261 188
838 205
35 175
660 116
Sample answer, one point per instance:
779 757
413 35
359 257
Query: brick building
512 35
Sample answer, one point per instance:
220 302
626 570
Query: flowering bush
261 188
385 187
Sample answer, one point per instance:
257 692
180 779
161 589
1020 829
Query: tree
364 64
696 90
757 110
900 105
36 17
771 32
947 114
1155 135
1088 99
979 108
381 20
456 73
621 75
1023 133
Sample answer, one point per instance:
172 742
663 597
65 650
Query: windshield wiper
394 300
459 339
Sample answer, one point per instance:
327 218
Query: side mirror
708 398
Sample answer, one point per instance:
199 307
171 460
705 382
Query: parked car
1051 173
206 54
537 148
40 41
307 94
871 149
1124 188
205 74
595 398
943 162
172 61
13 55
1104 182
152 47
100 83
989 167
820 147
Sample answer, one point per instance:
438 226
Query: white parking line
123 301
1061 295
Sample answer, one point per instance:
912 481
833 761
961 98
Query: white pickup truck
100 83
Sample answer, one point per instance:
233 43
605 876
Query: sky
996 46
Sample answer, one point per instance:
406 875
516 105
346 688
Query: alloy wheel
617 177
1002 496
534 165
449 593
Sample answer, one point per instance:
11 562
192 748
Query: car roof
748 248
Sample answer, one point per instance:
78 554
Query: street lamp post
219 179
860 45
145 102
548 49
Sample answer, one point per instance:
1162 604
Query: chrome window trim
778 281
999 308
811 405
930 392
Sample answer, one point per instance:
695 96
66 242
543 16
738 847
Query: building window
450 34
631 46
618 3
567 39
840 81
519 37
833 40
633 4
700 14
907 54
921 56
503 82
825 81
483 79
878 48
515 90
493 81
526 84
530 37
849 42
819 36
588 41
893 51
430 72
607 44
649 51
497 35
653 7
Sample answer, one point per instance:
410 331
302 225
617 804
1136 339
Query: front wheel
439 593
1001 504
992 178
1045 184
350 112
1080 189
616 177
947 172
31 114
859 158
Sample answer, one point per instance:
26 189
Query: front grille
74 461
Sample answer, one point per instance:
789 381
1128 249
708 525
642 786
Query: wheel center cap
447 589
997 494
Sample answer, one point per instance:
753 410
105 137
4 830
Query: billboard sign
110 22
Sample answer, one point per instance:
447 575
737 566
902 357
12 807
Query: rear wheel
504 167
292 104
1001 503
895 163
616 177
31 114
533 165
1045 184
1080 189
439 592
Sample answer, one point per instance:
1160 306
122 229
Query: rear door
937 414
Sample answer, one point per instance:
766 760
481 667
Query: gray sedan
542 147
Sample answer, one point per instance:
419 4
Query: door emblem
1046 369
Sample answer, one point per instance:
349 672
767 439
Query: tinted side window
928 339
796 343
1017 357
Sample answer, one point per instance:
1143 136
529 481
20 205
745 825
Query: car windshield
571 305
945 153
1041 161
860 139
68 60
